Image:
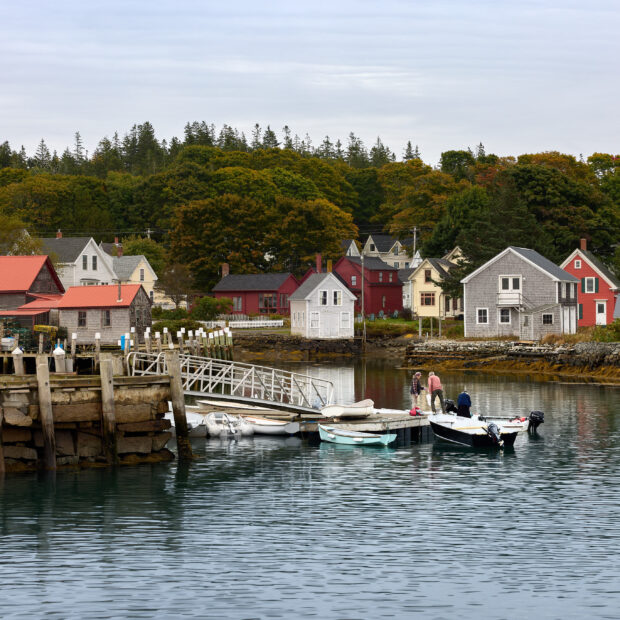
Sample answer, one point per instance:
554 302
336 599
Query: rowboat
355 410
338 435
269 426
220 424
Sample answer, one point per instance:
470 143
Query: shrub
406 314
175 325
175 314
607 333
208 308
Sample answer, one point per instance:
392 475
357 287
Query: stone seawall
593 359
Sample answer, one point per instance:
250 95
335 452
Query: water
272 528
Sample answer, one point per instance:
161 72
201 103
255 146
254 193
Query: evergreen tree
257 141
480 154
19 159
287 143
270 141
356 155
78 150
5 154
408 154
42 156
380 154
326 150
338 151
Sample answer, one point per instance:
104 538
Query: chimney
583 245
329 265
59 234
319 263
225 269
119 250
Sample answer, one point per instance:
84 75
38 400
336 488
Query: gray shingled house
519 293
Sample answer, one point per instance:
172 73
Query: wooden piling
18 361
178 405
108 421
1 450
45 413
41 344
59 360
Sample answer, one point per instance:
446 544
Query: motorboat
196 426
361 409
523 423
357 438
221 424
475 432
269 426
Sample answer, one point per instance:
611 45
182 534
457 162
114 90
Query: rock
159 441
15 417
20 452
88 445
67 460
64 443
15 435
139 445
144 427
87 412
140 412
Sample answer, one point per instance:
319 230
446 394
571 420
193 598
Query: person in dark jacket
463 404
416 389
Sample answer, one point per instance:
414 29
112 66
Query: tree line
271 202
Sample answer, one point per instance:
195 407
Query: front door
601 312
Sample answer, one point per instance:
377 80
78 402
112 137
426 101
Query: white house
81 261
322 307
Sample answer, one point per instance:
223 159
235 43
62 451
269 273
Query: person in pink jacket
435 389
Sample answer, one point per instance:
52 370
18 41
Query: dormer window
395 251
577 264
372 247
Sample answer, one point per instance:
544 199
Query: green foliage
174 326
153 251
173 314
209 308
607 333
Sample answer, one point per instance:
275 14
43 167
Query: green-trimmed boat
354 438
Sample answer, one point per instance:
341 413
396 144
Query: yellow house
428 299
137 270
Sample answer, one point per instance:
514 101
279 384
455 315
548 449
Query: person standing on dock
463 404
435 389
416 389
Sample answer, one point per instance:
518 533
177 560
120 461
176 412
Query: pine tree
287 143
78 149
5 154
326 150
270 140
408 154
480 154
42 156
356 154
256 137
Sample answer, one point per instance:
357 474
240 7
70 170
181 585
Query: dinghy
269 426
361 409
220 424
196 426
357 438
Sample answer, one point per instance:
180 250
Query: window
390 277
504 316
447 300
395 265
284 300
482 316
427 275
314 320
237 304
427 299
353 280
81 318
381 276
345 320
322 298
337 298
141 275
590 285
106 318
455 304
267 302
406 265
577 264
85 262
395 250
372 247
547 319
510 283
151 295
94 261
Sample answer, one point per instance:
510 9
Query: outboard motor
450 406
493 433
536 419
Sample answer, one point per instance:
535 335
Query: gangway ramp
239 382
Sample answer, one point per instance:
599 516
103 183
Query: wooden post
45 413
178 405
1 450
166 336
180 339
108 421
439 333
18 361
97 347
73 346
147 341
41 337
158 342
420 327
59 360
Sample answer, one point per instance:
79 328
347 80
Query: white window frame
499 316
84 262
345 320
390 276
94 262
315 317
141 275
543 318
353 280
511 279
323 297
592 281
381 276
337 297
478 321
577 263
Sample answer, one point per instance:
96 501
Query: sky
520 76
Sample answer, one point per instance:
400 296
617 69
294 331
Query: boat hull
473 440
361 409
266 426
333 435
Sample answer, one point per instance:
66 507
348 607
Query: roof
42 302
252 282
372 263
403 274
22 312
383 243
605 272
441 265
532 257
124 266
110 248
17 273
99 296
66 248
314 281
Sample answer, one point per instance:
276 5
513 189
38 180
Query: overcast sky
518 75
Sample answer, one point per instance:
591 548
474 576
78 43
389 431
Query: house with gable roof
519 293
136 270
599 289
393 251
81 262
322 307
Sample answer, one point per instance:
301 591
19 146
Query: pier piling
45 412
108 422
178 405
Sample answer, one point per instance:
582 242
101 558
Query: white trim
576 265
510 277
464 314
585 259
318 320
477 316
323 293
348 317
586 280
336 302
499 317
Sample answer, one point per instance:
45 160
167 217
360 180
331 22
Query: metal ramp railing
238 382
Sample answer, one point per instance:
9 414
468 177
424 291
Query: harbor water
266 527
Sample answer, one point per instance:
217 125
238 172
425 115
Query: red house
599 287
383 291
257 293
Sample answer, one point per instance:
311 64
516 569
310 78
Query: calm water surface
271 528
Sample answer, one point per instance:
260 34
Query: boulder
140 445
15 417
88 445
20 452
64 443
15 435
159 441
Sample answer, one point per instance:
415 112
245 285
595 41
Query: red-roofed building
26 278
110 310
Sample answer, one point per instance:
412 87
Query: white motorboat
361 409
221 424
269 426
473 431
196 426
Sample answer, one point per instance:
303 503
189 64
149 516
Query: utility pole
415 231
148 232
